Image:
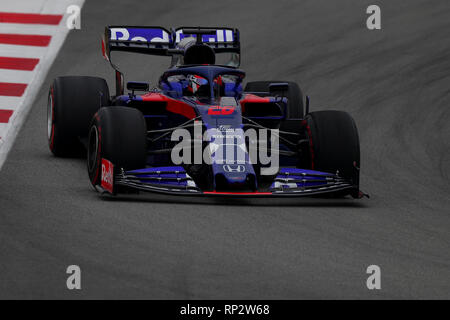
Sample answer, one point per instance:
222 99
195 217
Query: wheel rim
92 148
49 116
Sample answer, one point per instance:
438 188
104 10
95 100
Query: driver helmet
196 84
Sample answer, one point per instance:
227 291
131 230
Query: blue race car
199 132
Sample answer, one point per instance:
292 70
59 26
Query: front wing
290 182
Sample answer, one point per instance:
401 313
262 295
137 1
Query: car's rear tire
294 95
119 135
72 101
334 143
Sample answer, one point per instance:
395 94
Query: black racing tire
72 101
334 143
295 96
119 135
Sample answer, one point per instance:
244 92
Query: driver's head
197 86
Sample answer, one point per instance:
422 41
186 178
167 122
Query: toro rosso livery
195 132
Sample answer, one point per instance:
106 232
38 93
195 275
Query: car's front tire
334 144
119 135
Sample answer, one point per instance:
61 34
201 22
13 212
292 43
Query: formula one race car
199 132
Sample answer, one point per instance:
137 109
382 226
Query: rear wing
162 42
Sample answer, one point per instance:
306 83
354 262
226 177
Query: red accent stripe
5 115
238 193
12 17
251 98
25 39
182 108
12 89
18 63
174 106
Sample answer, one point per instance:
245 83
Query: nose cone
231 165
230 161
233 177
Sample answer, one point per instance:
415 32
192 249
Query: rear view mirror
138 86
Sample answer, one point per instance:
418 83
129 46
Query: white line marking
19 28
10 102
8 50
46 55
38 6
16 76
3 127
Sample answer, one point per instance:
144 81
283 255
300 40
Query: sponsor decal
154 35
222 35
221 111
224 127
107 182
233 168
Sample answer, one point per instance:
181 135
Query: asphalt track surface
395 82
